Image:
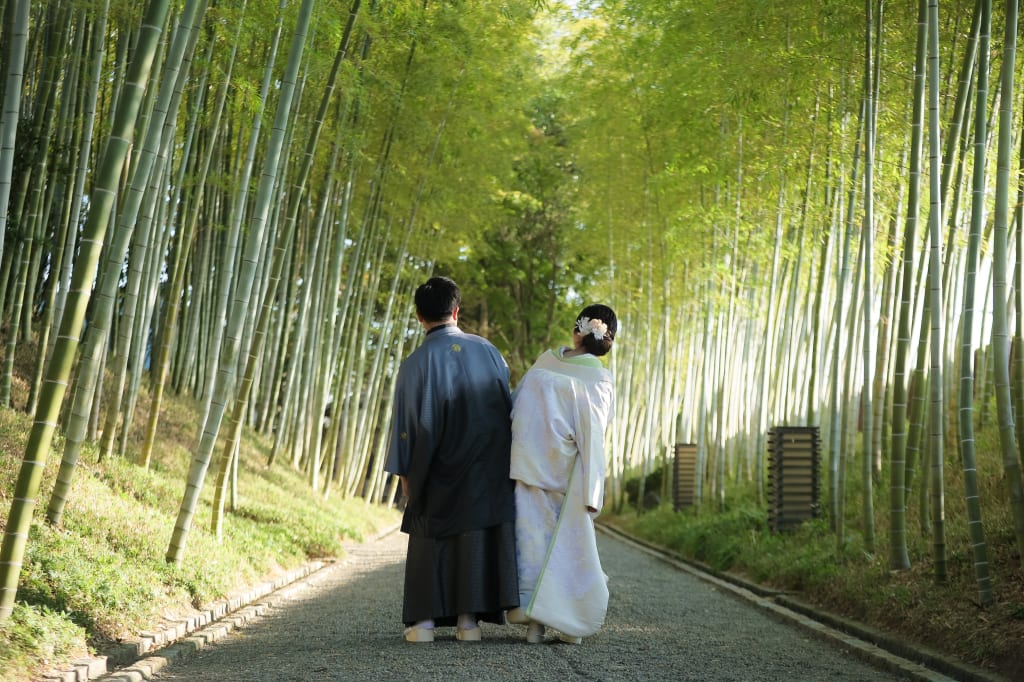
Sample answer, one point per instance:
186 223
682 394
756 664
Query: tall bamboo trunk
59 369
867 247
16 48
937 343
899 559
1000 257
89 373
967 449
224 387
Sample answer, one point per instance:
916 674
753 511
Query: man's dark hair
437 298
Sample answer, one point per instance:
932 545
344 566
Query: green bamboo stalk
966 412
898 557
935 381
69 142
59 369
140 204
1000 333
90 369
1017 347
224 387
867 245
161 363
16 45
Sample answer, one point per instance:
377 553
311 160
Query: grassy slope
102 575
857 583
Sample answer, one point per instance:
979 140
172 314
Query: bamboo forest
805 213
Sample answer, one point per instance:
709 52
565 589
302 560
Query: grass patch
35 636
102 576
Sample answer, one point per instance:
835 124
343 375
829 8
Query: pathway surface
663 624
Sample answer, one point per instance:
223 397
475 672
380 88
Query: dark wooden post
794 454
684 476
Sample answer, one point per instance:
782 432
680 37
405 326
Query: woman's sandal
517 616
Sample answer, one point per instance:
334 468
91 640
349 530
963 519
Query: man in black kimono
450 444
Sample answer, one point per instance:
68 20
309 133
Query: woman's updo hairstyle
597 325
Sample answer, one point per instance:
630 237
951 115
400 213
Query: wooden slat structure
684 476
794 481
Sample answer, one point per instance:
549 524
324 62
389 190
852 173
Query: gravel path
663 624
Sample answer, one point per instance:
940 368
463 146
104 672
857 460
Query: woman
560 412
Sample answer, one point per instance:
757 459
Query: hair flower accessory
595 327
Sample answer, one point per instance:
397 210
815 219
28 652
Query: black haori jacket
451 435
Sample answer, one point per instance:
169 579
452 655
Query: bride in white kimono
560 412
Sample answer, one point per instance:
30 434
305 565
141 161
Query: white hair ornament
594 327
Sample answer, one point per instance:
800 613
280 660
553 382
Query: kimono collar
585 360
440 327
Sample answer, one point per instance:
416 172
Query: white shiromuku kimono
560 412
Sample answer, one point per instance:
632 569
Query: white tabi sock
425 624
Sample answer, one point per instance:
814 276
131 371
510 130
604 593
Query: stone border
129 660
869 644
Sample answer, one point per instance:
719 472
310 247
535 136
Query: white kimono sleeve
594 407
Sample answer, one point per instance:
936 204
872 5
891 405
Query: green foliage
719 540
36 633
83 579
532 264
798 560
652 485
739 540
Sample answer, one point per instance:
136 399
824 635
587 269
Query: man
450 445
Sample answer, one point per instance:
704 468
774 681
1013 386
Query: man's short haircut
437 298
